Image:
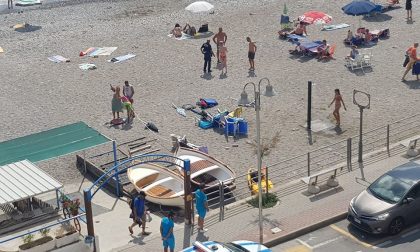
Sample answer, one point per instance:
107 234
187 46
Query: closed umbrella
315 17
199 7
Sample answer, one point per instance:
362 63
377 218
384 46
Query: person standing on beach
223 58
408 7
116 103
128 91
219 39
338 100
10 4
201 206
208 53
167 232
139 213
412 54
252 49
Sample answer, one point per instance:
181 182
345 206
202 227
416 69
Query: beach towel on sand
335 27
122 58
28 2
102 51
1 50
87 66
58 59
183 37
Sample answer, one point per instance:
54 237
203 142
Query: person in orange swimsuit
223 57
338 100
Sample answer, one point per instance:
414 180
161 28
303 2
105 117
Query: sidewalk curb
305 230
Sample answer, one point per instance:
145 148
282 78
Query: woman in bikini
223 57
338 100
116 103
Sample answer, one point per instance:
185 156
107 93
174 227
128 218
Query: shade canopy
22 180
359 7
199 7
51 143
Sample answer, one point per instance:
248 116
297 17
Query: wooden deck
160 191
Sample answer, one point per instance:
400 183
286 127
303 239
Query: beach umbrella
359 8
199 7
315 17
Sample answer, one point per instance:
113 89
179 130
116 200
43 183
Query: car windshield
233 247
389 189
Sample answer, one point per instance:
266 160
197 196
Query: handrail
48 226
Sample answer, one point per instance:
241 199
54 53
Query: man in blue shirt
167 232
201 206
208 53
139 213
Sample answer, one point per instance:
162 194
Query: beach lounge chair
331 52
356 63
236 113
367 55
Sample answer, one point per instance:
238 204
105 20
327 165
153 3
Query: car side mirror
408 200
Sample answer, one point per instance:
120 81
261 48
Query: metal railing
341 153
59 222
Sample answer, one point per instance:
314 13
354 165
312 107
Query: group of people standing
124 101
139 212
220 40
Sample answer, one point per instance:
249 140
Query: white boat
162 186
205 169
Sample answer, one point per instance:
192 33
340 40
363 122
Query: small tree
44 232
28 238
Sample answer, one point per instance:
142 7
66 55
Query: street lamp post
362 105
245 101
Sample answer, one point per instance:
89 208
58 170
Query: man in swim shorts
252 49
219 39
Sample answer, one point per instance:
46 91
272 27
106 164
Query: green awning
51 143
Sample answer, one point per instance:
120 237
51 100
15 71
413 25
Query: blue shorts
170 242
201 213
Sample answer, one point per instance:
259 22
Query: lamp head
269 91
244 99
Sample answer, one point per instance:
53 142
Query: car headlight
381 216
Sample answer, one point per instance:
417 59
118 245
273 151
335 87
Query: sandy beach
38 94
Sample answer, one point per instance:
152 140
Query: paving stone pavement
295 211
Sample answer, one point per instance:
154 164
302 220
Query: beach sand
38 94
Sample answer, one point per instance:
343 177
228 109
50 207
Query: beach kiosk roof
22 180
51 143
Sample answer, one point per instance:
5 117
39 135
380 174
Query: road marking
326 242
383 244
345 233
304 243
410 233
300 248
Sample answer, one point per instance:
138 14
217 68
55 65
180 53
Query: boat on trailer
205 169
161 185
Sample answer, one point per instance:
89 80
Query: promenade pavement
296 213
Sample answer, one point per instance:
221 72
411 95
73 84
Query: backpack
207 103
151 127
